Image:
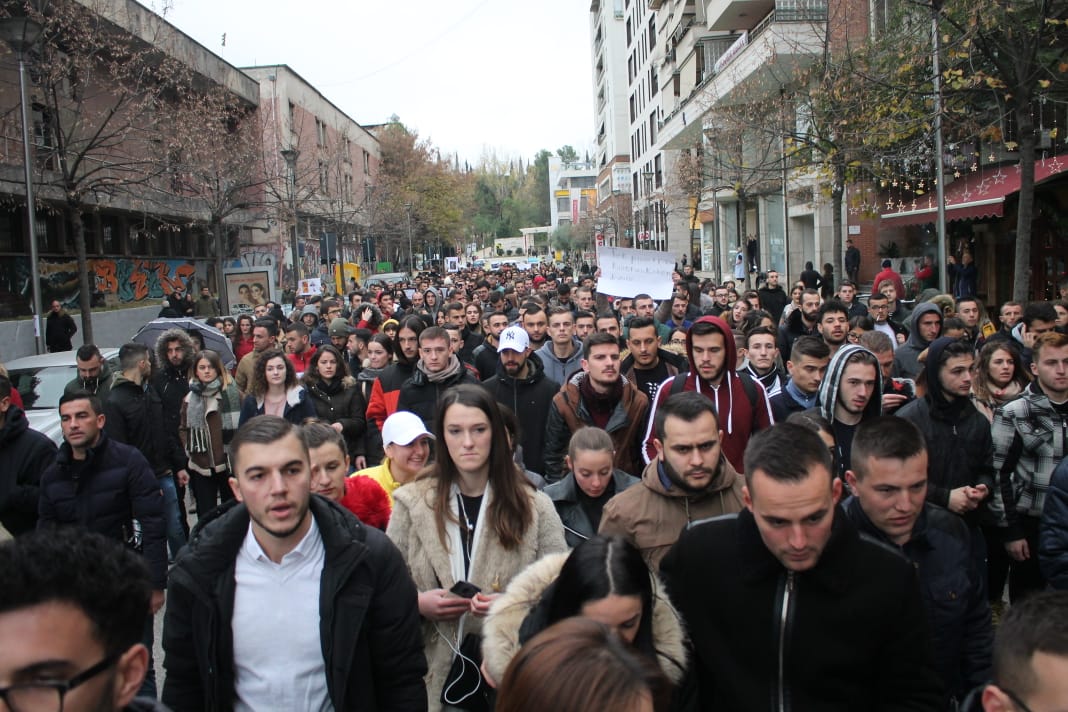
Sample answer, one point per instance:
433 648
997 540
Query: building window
563 205
292 117
320 133
11 232
324 178
366 163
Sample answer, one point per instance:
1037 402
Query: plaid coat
1030 438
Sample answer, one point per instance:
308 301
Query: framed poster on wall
248 287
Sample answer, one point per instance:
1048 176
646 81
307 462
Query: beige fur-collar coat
500 632
413 530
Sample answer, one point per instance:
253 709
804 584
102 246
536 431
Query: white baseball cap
403 428
514 338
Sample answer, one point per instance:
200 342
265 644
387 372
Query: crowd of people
510 491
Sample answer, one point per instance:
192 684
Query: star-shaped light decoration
914 204
920 186
930 203
966 195
984 186
999 177
908 187
956 173
852 210
1056 165
992 158
900 205
975 167
890 204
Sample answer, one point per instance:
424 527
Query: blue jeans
171 517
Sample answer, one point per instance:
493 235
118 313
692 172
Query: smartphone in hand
464 589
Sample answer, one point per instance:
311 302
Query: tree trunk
743 238
85 291
1021 281
221 252
837 195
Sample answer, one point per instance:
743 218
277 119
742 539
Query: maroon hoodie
738 418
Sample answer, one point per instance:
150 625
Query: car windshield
42 387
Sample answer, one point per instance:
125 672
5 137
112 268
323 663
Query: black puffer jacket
743 610
24 455
135 417
960 450
1053 531
112 486
341 402
954 596
172 384
369 617
791 331
529 398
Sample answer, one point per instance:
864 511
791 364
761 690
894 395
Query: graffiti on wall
123 280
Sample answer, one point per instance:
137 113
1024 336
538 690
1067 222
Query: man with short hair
536 323
264 336
625 309
772 297
800 322
437 370
107 487
847 294
598 395
896 391
174 354
832 322
968 311
889 273
94 374
71 615
678 320
648 364
561 356
1038 318
584 300
607 322
889 479
761 359
521 384
206 305
406 443
879 309
485 354
329 309
852 261
1030 438
645 306
741 404
959 448
279 570
298 350
849 395
899 312
59 328
926 326
339 331
807 366
584 324
721 297
25 454
1030 658
762 595
689 480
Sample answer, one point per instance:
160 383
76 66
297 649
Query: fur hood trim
170 335
500 631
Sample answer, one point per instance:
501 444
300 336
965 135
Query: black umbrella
214 339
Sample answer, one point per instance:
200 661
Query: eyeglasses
48 696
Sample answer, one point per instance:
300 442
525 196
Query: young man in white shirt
275 570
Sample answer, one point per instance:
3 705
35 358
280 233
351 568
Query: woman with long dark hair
998 377
379 358
275 391
385 391
208 419
470 517
243 336
337 399
605 579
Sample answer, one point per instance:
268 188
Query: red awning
974 195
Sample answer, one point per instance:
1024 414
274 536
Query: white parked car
40 381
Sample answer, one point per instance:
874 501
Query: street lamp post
21 33
290 156
411 255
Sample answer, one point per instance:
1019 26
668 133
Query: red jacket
889 273
302 360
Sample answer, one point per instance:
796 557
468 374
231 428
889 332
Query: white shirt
278 656
889 331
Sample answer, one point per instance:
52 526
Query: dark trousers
1025 577
997 564
148 686
209 491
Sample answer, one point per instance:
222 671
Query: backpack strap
677 384
750 388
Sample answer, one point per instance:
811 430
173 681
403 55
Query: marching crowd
505 490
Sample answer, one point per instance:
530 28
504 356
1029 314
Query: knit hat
340 327
310 309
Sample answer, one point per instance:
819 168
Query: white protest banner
626 272
310 287
452 264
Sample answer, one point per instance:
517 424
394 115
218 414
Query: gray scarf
205 398
446 373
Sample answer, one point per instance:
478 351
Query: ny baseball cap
514 338
403 428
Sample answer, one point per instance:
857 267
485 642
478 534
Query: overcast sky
511 76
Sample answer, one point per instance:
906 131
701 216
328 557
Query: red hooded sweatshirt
738 418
